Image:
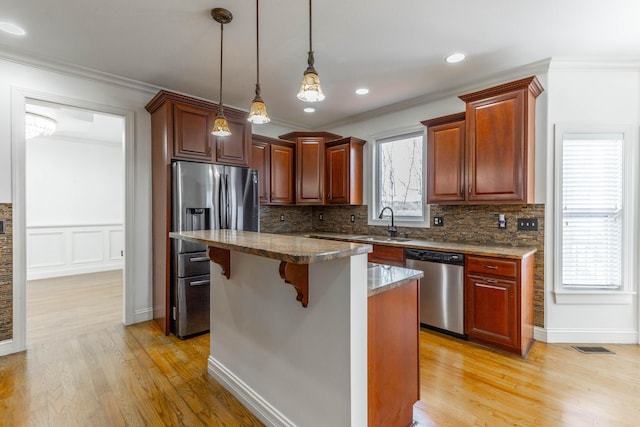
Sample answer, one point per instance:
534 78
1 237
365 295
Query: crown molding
534 68
49 64
610 64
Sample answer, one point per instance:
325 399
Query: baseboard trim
72 271
9 347
573 336
143 315
264 411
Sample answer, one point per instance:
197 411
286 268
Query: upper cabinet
310 165
497 134
275 161
344 171
181 125
445 157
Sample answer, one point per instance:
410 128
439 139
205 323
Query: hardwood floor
112 375
63 307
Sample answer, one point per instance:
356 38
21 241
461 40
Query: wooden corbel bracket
222 257
297 275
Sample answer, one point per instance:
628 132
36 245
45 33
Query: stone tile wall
6 275
469 224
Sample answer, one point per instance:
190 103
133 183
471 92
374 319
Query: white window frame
624 295
418 222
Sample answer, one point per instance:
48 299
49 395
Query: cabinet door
445 157
496 148
192 133
282 180
338 174
234 149
492 311
310 171
260 160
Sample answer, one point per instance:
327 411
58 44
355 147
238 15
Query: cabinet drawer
390 255
492 266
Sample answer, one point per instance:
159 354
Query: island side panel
288 364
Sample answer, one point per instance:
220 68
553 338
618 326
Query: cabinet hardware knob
470 189
491 267
491 280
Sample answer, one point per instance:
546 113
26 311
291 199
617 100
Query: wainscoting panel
54 251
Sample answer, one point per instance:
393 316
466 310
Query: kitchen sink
381 239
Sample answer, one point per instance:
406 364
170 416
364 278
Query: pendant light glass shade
220 125
258 112
310 90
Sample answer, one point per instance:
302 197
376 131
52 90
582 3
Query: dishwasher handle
434 256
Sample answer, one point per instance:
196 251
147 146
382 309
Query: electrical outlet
281 218
353 218
438 221
2 226
528 224
321 217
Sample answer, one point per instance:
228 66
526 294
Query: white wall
86 88
74 182
590 94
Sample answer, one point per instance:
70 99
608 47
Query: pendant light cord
257 44
221 44
310 29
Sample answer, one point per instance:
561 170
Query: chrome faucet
393 231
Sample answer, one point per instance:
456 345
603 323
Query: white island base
291 365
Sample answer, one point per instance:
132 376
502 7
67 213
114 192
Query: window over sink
399 179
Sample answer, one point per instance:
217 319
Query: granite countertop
292 249
463 248
381 278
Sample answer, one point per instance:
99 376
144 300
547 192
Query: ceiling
396 50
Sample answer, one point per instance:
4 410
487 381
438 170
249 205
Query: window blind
592 226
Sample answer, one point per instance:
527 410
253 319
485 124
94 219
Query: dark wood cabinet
499 302
500 142
393 356
310 165
486 154
344 168
181 130
389 255
275 161
445 159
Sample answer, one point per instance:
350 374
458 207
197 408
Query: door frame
19 99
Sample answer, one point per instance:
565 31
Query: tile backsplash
468 224
6 274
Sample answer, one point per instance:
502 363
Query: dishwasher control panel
435 256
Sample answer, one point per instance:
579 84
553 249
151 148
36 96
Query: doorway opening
74 220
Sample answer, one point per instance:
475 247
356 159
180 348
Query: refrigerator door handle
199 283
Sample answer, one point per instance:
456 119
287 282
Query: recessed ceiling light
309 110
456 57
11 28
362 91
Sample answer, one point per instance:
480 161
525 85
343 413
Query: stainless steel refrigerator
204 197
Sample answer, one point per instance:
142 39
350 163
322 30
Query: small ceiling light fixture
362 91
258 112
310 90
309 110
11 28
38 125
220 126
456 57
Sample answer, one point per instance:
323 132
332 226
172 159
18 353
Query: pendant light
310 90
220 126
258 113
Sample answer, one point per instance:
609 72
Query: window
399 177
594 210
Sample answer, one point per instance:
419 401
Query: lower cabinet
499 302
393 358
389 255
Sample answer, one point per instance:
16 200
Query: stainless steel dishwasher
441 289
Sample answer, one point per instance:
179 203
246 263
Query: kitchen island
292 364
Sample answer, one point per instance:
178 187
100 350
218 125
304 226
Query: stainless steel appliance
204 197
441 289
